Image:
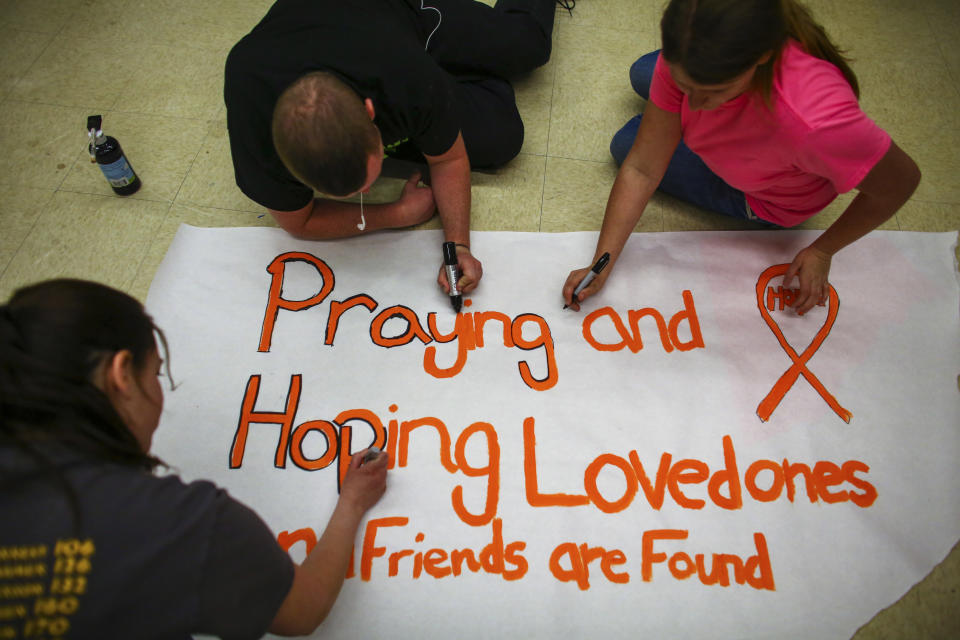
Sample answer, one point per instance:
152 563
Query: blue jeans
687 177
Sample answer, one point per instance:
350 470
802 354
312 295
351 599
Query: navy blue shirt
150 557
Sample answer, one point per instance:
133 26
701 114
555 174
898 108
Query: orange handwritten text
580 557
755 570
723 487
631 338
386 553
799 367
397 325
394 437
495 558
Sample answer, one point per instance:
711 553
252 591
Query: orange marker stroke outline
767 406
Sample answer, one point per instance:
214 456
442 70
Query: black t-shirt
153 558
375 46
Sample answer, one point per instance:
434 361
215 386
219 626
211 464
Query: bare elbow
915 176
302 622
303 628
293 222
907 170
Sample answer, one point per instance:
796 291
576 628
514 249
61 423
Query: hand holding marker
372 454
453 272
597 268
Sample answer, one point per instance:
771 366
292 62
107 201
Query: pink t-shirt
790 161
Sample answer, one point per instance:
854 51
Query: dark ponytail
715 41
53 336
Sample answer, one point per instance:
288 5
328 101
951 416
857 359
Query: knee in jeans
641 73
623 140
619 147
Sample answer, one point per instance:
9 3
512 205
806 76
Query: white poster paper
686 457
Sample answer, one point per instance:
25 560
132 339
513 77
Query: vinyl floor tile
219 24
20 208
176 81
944 19
18 51
46 16
593 98
128 21
618 15
71 72
851 21
83 236
575 196
40 143
894 91
933 145
929 216
510 199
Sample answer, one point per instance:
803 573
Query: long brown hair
715 41
53 336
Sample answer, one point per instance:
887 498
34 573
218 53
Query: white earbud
363 221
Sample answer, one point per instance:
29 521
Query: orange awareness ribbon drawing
799 367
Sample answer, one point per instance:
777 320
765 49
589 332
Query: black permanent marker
597 268
450 264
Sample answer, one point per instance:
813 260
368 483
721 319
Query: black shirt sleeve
260 173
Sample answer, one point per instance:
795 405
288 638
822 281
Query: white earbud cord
363 221
439 20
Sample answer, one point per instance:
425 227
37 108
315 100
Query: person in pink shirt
752 112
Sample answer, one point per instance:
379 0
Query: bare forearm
451 190
318 580
327 563
864 214
629 197
882 192
639 176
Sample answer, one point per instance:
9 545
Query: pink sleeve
663 92
843 145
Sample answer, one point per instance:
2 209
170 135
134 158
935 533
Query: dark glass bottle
106 152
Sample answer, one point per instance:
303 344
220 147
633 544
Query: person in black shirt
319 90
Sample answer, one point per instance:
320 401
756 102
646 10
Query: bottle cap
93 132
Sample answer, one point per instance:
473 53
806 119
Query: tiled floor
153 68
